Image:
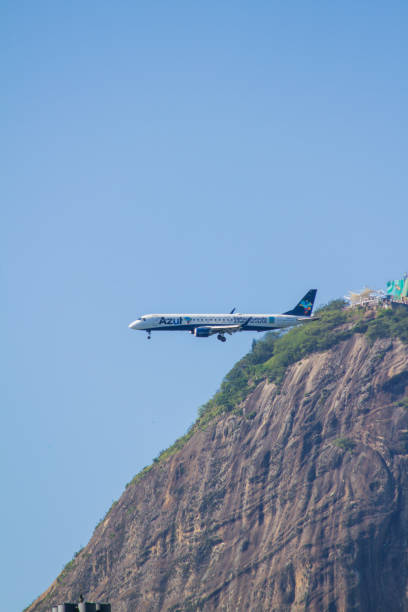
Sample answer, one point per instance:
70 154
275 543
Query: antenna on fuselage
233 310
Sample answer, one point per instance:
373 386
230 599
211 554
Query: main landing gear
148 334
221 338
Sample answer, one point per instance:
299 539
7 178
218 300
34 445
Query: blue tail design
305 306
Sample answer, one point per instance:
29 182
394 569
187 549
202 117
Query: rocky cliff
294 498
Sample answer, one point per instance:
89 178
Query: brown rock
300 506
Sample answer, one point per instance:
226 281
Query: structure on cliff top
396 293
366 297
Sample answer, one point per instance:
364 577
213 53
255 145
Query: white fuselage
189 322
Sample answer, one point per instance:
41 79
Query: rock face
299 502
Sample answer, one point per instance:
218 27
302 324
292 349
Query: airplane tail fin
305 306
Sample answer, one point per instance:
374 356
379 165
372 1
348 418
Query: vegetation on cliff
271 356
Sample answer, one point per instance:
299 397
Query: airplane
204 325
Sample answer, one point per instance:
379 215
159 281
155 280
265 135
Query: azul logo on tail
306 305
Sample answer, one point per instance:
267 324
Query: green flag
398 287
390 287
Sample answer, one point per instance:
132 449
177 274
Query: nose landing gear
148 334
221 338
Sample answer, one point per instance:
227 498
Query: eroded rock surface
298 503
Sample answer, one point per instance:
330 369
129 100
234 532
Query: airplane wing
226 329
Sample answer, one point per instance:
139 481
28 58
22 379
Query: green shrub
389 324
345 444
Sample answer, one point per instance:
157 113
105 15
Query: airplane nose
133 325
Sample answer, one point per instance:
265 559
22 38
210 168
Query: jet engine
202 332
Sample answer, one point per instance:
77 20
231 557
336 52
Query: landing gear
148 334
221 338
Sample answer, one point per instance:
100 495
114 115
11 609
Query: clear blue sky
175 157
